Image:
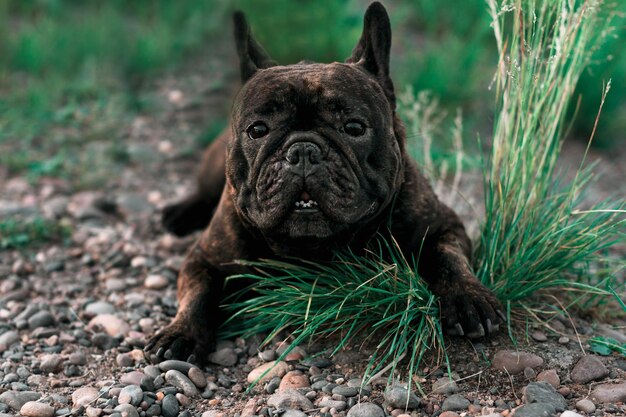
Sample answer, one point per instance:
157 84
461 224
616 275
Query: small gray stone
152 371
550 376
290 398
569 413
180 381
99 307
398 396
224 357
455 402
130 394
273 385
345 390
539 336
84 396
337 405
124 360
293 413
515 362
366 410
179 366
16 399
586 406
169 406
197 377
7 339
37 409
51 363
147 383
445 386
267 355
127 410
42 318
542 392
153 410
536 410
78 358
588 368
609 393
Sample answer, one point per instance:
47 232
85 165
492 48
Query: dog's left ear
372 51
252 56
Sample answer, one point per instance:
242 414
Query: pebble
447 414
398 396
112 325
130 394
126 410
609 393
290 398
366 410
588 368
224 357
104 341
180 381
539 336
586 406
455 402
345 390
132 378
82 396
7 339
337 405
156 282
180 366
293 380
542 392
17 399
536 410
267 355
42 318
78 358
51 363
197 377
563 340
124 360
445 386
99 307
273 369
550 376
37 409
292 413
169 406
514 362
570 414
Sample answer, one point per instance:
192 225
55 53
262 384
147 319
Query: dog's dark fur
329 133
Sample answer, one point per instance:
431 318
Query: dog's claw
191 358
160 352
501 315
479 332
459 329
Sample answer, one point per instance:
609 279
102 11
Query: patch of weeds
20 234
377 298
537 235
605 346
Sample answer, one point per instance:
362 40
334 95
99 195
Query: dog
315 161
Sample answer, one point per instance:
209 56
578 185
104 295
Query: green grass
377 299
21 234
536 236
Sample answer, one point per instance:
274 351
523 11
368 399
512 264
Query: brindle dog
315 160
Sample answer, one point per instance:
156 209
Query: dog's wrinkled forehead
335 87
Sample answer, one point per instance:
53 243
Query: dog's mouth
306 205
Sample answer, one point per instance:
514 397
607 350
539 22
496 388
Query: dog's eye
354 128
258 130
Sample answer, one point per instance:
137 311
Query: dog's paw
473 311
178 341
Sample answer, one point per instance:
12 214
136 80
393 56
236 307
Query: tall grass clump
539 232
376 299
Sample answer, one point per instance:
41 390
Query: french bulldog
314 161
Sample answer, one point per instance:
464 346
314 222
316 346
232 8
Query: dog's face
314 151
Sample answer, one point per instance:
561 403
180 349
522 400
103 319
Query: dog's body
315 161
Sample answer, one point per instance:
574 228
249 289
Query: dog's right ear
252 56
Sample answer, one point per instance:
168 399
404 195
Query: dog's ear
252 56
372 51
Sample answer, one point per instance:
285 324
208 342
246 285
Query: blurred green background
74 71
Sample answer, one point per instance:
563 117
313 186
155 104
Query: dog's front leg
191 335
467 307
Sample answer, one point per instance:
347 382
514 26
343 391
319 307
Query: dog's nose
303 156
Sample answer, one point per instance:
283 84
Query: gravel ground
74 317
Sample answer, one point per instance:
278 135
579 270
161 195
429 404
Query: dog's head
315 150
